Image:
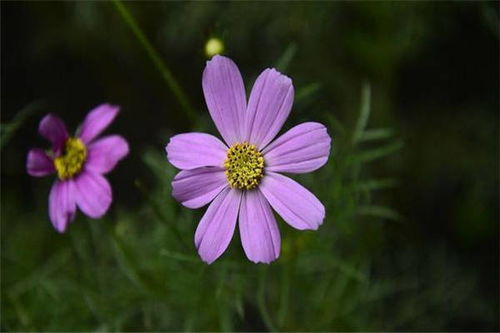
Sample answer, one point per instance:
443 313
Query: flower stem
156 59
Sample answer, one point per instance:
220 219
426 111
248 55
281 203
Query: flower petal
216 227
104 153
194 150
295 204
196 188
39 164
269 105
62 206
304 148
259 232
53 129
225 97
93 194
96 121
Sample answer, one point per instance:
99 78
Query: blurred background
409 92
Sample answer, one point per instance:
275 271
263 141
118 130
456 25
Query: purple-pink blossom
241 176
79 163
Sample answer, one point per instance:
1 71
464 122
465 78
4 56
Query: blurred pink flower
242 176
79 163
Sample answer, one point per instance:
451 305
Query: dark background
434 73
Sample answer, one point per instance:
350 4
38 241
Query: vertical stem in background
156 59
364 112
261 299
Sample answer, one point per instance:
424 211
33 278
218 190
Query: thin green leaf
7 130
286 58
379 211
155 57
375 184
376 153
306 92
364 112
376 134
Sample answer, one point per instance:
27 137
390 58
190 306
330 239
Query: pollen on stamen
72 159
244 166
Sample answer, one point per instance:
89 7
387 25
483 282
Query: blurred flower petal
304 148
96 121
53 129
93 194
62 206
39 164
259 232
225 97
104 154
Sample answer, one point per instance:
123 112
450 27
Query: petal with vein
104 154
53 129
96 121
93 194
304 148
269 105
197 187
39 164
194 150
216 228
62 206
295 204
225 97
259 232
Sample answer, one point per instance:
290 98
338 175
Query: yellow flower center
71 161
244 166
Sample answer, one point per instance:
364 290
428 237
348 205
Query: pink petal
104 153
38 164
62 206
96 121
194 150
269 105
196 188
225 97
93 194
259 232
53 129
295 204
304 148
216 227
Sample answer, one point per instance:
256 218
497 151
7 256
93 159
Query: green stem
261 300
156 59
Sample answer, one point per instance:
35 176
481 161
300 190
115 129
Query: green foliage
140 271
371 266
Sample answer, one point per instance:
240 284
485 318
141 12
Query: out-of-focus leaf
285 59
364 113
375 184
376 134
376 153
7 130
379 211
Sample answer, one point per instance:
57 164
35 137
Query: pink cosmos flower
79 162
241 177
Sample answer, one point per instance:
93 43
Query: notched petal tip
38 163
52 128
97 120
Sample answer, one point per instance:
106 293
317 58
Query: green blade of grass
376 134
364 113
165 72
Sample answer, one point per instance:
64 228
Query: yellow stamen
244 166
71 161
